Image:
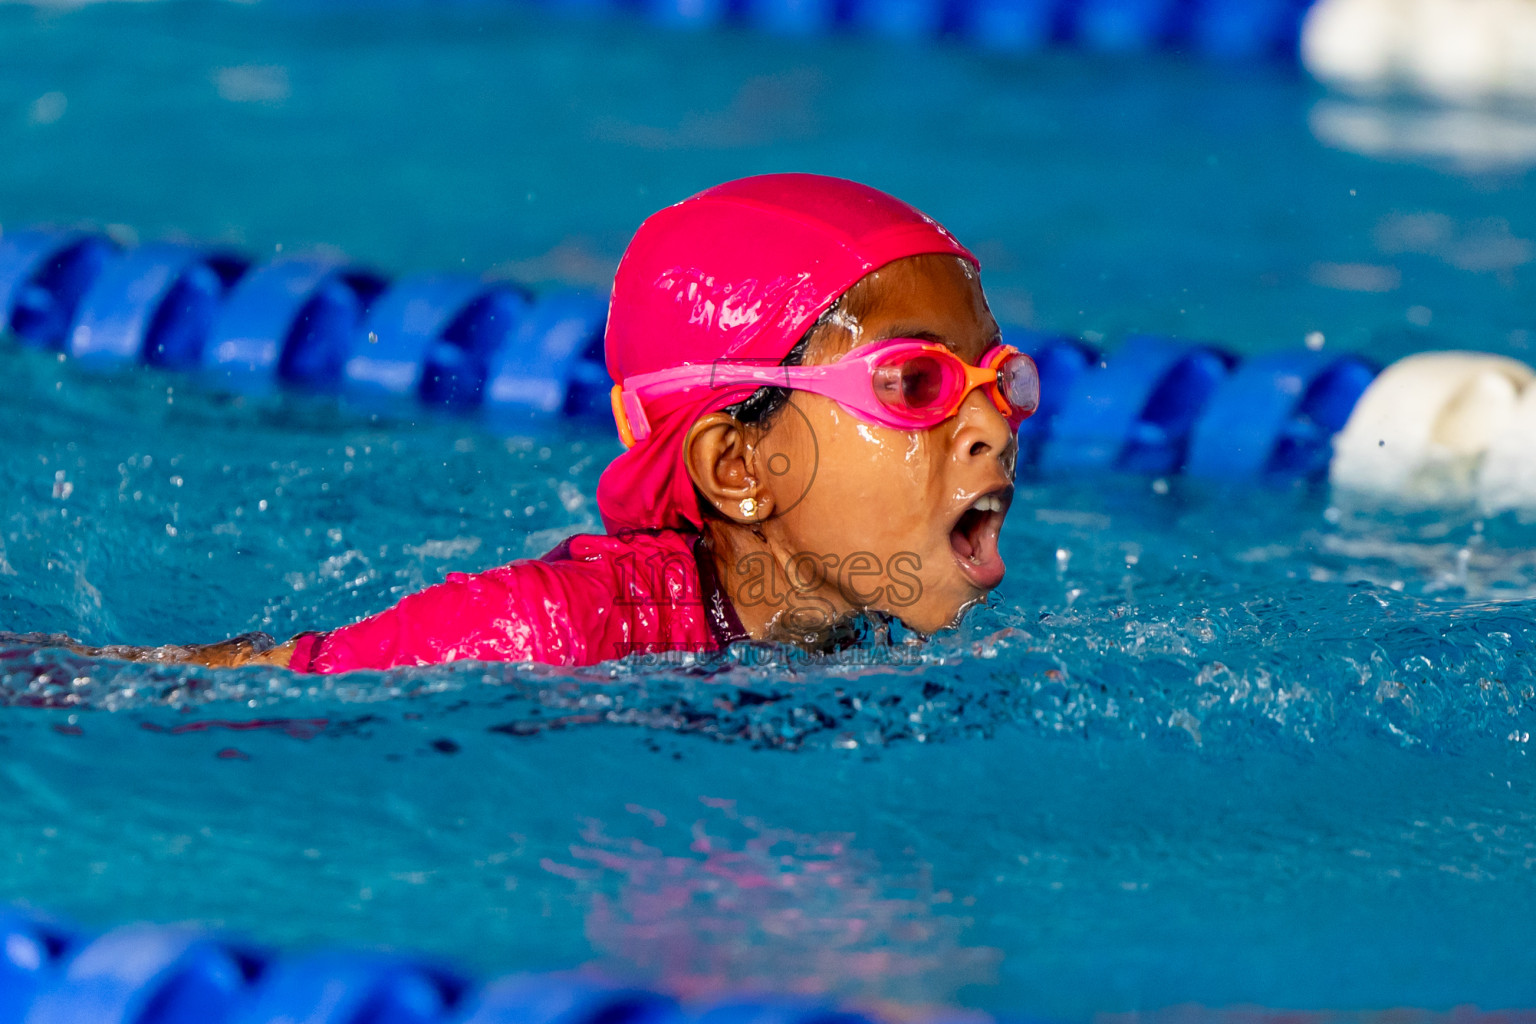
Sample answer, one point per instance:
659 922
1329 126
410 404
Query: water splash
1255 672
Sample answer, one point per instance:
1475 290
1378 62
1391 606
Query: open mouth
974 538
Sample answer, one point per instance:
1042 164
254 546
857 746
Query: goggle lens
913 385
1018 381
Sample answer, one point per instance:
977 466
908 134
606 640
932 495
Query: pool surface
1222 746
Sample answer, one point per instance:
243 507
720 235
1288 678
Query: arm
466 616
246 649
483 616
480 616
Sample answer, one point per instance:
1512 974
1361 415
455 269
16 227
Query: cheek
874 479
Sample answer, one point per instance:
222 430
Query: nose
982 433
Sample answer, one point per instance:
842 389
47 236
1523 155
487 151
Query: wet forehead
935 298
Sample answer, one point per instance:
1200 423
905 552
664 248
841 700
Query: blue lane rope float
1120 26
1221 29
431 337
152 974
154 304
43 276
288 322
1277 414
1061 359
538 999
1134 412
497 351
1008 25
1238 29
139 973
554 363
898 19
791 17
1225 29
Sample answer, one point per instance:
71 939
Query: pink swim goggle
902 383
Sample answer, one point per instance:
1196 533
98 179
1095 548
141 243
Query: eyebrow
922 334
908 331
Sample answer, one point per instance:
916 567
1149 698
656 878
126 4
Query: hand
246 649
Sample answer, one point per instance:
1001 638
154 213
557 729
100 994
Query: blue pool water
1220 746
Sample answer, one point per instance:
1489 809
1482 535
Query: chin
939 616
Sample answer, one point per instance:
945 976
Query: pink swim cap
739 271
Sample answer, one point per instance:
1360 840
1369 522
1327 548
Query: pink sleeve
591 599
481 617
304 647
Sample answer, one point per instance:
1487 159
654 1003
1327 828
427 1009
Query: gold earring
749 507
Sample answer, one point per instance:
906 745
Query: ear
721 461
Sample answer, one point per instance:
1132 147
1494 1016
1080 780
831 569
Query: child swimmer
820 421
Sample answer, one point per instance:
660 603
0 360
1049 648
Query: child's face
886 519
